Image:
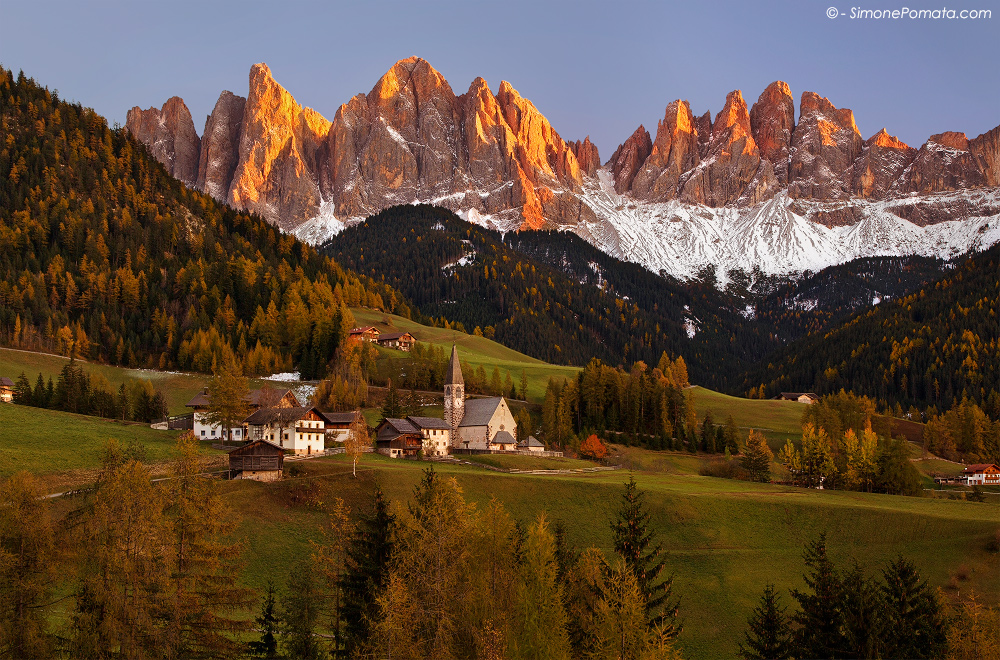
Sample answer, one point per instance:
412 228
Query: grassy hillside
473 350
47 441
725 539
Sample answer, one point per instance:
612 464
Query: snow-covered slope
682 239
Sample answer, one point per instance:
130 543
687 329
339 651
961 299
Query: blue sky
593 68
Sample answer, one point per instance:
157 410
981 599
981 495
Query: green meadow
724 540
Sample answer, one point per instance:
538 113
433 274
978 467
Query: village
280 424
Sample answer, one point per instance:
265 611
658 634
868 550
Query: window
203 433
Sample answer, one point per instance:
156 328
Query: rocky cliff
494 158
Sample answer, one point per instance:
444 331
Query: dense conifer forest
105 255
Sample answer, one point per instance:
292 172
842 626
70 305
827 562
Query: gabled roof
796 395
401 425
978 467
503 438
428 422
358 331
454 374
339 417
271 415
389 336
478 412
532 441
256 443
6 382
259 397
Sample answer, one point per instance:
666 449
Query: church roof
454 375
503 438
478 412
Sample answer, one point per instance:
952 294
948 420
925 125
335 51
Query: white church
477 423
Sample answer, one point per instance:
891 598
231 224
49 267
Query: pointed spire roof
454 375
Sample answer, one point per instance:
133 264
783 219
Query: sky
592 68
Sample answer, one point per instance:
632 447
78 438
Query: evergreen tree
523 390
267 624
757 457
540 623
369 559
864 620
228 394
22 391
391 407
300 611
769 635
39 397
915 625
821 620
634 542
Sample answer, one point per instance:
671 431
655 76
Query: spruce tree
769 635
267 624
863 610
636 545
300 612
915 625
820 621
369 558
391 407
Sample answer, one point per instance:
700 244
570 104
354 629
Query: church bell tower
454 394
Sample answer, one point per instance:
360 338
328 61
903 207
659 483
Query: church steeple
454 394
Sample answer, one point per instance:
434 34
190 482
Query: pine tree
864 619
915 625
369 559
26 549
391 407
820 621
523 391
267 624
768 636
757 457
22 391
300 612
228 393
635 544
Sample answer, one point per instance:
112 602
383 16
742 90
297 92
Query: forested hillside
105 254
552 296
934 347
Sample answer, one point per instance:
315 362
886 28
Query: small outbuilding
259 460
398 438
801 397
531 444
6 390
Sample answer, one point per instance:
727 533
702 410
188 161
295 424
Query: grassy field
178 388
475 351
725 540
508 461
48 442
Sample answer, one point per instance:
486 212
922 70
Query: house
265 397
435 434
403 341
398 438
531 444
300 430
801 397
981 474
338 425
475 423
6 390
259 460
367 333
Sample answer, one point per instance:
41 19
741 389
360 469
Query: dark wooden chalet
403 341
259 460
398 438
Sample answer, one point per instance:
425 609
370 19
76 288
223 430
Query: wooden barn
259 460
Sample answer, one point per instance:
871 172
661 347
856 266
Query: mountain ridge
724 187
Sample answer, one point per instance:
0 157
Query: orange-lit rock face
732 171
772 121
944 162
826 142
629 157
170 136
586 155
674 152
279 141
986 149
882 160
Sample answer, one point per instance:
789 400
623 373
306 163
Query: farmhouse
398 438
299 429
367 333
981 474
263 398
403 341
6 390
434 433
338 425
259 460
801 397
476 423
